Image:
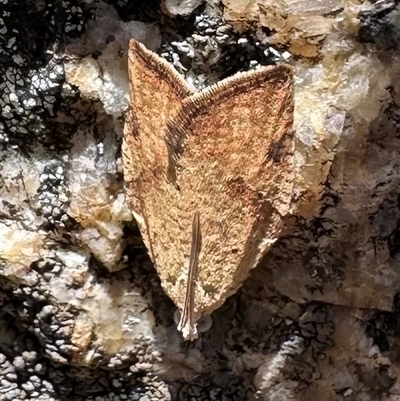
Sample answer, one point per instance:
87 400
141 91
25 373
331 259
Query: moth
208 175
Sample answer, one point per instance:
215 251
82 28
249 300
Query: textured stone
318 319
181 7
302 25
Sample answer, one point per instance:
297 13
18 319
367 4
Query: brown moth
208 175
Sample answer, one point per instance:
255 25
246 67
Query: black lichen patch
381 25
31 74
210 50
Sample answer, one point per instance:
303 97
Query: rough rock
83 315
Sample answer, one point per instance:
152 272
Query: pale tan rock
181 7
300 24
105 77
93 203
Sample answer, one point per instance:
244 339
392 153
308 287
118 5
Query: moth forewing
232 146
153 82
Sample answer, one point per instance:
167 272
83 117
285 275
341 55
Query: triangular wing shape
230 158
156 92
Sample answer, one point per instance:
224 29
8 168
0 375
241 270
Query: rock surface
83 315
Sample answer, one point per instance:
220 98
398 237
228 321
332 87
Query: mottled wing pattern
156 92
231 158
